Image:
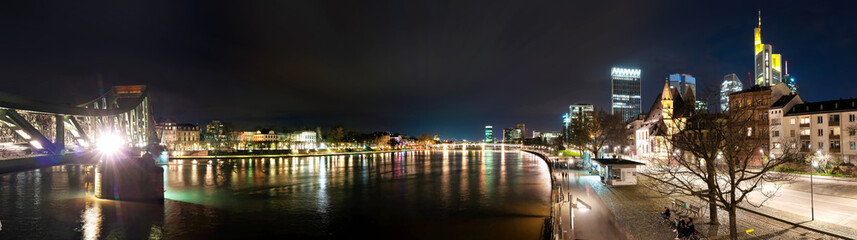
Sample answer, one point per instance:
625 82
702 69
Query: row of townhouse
826 128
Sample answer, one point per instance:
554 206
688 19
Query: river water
410 195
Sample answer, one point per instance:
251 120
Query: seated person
666 213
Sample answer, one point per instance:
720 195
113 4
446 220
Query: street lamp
811 197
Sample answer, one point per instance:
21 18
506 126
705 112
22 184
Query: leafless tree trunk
719 159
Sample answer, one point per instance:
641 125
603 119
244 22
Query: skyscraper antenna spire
760 18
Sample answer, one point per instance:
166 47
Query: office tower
520 130
566 120
683 82
790 80
580 111
731 84
489 134
768 71
626 92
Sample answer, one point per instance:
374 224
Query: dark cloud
446 67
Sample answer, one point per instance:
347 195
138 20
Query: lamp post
811 197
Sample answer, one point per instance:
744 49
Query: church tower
667 102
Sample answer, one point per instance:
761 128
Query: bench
678 205
695 210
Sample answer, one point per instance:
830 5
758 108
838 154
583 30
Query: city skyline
210 68
428 120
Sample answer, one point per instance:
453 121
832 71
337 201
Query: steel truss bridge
29 127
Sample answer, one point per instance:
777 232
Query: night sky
444 67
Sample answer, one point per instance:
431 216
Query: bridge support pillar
129 179
59 142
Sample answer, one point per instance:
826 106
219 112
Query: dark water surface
413 195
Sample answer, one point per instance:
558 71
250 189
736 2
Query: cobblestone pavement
636 208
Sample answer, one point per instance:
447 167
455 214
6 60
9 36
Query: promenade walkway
630 212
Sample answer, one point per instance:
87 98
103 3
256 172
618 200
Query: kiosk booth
617 171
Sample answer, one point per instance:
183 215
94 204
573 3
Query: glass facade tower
768 68
626 92
683 82
580 111
731 84
489 134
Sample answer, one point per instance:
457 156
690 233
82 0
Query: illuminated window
749 131
804 132
793 121
804 120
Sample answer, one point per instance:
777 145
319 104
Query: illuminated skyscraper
790 80
731 84
768 70
683 82
626 92
566 120
489 134
580 111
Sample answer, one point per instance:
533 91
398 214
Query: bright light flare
110 143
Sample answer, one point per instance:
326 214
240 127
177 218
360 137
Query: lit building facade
653 131
566 120
166 130
755 104
778 132
489 134
583 112
731 84
768 65
790 80
683 82
625 92
187 137
301 140
215 134
548 137
828 128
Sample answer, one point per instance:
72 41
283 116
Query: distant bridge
29 127
476 145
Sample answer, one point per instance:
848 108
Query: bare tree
720 159
425 139
604 129
336 135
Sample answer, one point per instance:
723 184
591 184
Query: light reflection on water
422 194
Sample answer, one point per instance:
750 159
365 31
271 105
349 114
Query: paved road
833 203
839 187
595 223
